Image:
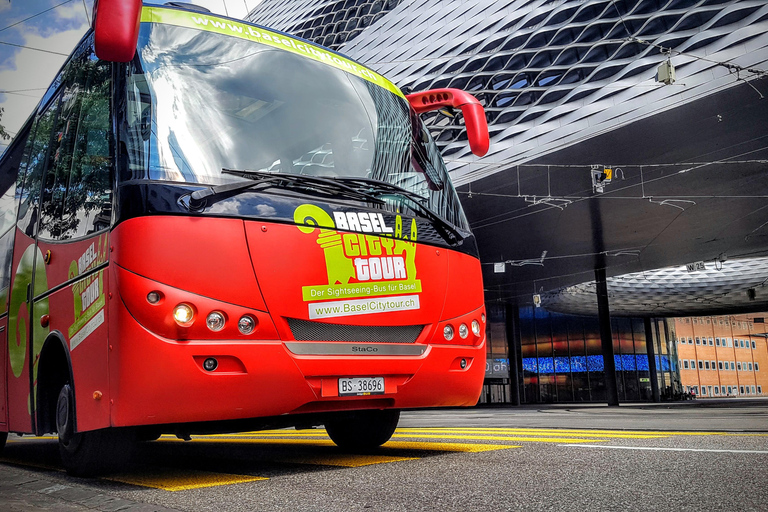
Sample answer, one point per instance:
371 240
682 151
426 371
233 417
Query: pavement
539 457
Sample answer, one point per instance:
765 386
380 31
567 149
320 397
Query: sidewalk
25 490
731 415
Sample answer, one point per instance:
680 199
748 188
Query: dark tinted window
77 197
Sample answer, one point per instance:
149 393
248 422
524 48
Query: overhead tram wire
36 15
36 49
87 16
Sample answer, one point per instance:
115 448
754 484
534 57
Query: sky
26 73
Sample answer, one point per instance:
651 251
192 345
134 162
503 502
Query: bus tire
361 431
3 438
91 453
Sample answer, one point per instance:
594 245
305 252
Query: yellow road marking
342 460
594 431
469 432
505 438
180 479
399 445
448 447
294 437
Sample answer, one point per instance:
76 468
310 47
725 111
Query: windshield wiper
199 199
381 188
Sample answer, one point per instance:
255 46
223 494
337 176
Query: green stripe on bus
232 28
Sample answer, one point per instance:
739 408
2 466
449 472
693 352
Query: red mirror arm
474 114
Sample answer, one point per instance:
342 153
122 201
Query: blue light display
546 365
595 363
578 364
628 362
529 365
642 363
562 365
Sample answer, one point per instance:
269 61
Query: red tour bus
209 226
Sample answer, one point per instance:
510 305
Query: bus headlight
215 321
246 325
183 314
463 331
448 332
475 327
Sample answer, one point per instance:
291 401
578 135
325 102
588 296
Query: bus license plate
361 386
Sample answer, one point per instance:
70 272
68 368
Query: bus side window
11 167
28 183
77 193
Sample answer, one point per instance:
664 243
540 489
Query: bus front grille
304 330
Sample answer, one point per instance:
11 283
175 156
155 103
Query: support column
512 316
649 346
606 337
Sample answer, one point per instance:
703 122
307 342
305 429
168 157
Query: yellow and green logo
360 264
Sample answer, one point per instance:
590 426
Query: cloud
22 69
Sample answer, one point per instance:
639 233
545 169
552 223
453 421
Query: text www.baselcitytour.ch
363 306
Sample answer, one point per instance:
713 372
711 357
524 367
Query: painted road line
448 447
608 432
174 480
398 445
342 460
518 439
423 434
649 448
526 432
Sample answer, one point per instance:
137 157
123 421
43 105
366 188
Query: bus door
12 166
73 236
22 272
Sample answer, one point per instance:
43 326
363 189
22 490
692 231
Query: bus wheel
3 437
362 430
89 453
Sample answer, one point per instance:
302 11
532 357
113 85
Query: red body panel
208 257
4 371
156 372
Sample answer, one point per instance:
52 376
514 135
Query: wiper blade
379 188
199 199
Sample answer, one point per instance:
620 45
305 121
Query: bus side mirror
474 114
116 29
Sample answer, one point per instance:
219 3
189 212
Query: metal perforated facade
549 73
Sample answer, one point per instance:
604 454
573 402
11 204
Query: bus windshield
198 103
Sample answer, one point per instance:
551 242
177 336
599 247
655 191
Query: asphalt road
703 456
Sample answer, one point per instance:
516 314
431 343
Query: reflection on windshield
199 102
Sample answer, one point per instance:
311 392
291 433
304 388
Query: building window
757 367
693 364
738 366
753 390
741 390
719 365
741 343
712 365
701 364
749 365
703 391
717 390
717 342
685 364
733 366
759 390
754 345
711 342
706 365
698 340
690 341
722 390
